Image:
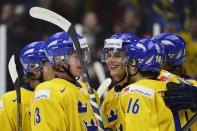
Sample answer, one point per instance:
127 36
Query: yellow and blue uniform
180 117
142 108
60 105
8 111
109 107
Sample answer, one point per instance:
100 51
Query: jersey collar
27 87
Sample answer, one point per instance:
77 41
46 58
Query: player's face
47 71
114 62
75 66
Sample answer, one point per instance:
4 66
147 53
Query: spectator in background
117 27
91 29
191 47
172 26
12 15
131 21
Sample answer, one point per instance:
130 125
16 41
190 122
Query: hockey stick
104 85
15 80
52 17
189 123
98 67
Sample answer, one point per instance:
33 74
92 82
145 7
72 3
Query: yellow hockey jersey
142 108
8 109
109 109
59 105
180 117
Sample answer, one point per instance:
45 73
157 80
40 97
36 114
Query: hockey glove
180 96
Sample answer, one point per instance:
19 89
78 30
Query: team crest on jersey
91 126
82 108
113 116
42 94
1 105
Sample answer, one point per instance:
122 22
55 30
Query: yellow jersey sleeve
141 107
7 115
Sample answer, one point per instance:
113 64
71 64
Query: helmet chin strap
31 76
66 74
67 70
129 75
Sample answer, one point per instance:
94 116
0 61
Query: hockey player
181 95
140 105
32 58
113 56
62 103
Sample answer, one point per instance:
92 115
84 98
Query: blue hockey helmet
60 45
117 43
32 56
149 56
174 47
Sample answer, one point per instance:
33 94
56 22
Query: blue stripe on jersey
177 121
78 84
187 119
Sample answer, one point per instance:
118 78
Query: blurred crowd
98 19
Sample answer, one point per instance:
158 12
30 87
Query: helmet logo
140 60
171 55
158 58
113 43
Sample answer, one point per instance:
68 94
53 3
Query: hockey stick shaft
15 79
93 102
18 94
189 123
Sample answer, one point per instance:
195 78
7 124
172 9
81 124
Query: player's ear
36 73
132 62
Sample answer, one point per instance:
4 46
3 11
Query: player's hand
180 96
